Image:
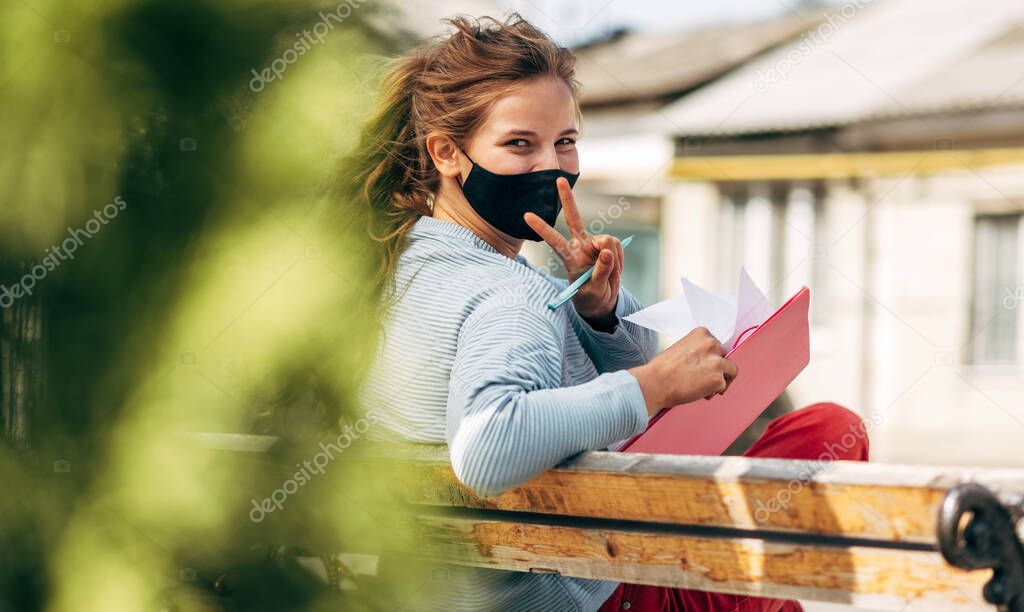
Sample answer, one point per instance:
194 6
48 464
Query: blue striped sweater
470 356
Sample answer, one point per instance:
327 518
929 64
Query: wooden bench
873 535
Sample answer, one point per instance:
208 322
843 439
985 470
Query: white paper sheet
725 316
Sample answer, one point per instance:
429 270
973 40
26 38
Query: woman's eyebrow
565 132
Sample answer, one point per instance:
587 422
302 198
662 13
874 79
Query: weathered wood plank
863 576
896 503
889 502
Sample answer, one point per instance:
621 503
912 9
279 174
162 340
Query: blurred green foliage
223 291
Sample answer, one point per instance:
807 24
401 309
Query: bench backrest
845 532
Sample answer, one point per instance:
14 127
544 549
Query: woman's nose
548 161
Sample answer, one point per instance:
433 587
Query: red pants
801 434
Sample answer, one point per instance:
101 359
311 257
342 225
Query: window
640 273
997 289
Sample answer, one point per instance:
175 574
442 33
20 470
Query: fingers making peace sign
597 297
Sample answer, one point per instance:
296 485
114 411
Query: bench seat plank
894 503
864 576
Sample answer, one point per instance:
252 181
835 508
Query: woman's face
533 127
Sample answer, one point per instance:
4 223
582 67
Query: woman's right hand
688 370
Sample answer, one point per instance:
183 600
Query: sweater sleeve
627 346
508 418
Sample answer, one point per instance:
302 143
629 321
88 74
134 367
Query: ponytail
382 175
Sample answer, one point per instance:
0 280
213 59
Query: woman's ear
445 154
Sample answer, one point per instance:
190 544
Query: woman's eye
566 141
518 142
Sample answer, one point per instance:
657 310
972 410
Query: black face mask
501 199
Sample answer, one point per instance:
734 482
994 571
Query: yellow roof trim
837 165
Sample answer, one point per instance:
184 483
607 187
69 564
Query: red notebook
769 357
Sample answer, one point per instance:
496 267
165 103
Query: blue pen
572 289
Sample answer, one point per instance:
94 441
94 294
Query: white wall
895 292
937 407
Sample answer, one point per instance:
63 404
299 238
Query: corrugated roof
638 66
991 77
889 58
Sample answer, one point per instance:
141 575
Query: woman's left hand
597 298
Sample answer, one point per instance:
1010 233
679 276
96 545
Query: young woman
471 152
